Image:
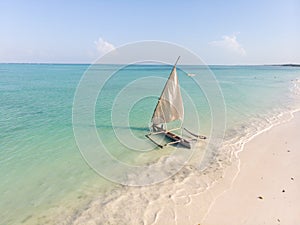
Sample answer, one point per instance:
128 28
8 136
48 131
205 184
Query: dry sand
267 188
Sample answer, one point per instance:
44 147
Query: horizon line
70 63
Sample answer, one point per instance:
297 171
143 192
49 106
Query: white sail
170 105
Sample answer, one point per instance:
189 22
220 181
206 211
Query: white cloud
230 43
103 46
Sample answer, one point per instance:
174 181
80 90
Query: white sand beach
266 190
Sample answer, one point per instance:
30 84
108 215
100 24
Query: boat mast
164 88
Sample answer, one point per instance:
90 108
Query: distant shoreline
290 64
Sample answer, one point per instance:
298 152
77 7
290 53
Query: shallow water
43 175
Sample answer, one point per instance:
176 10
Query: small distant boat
191 74
170 108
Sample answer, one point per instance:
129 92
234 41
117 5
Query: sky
219 32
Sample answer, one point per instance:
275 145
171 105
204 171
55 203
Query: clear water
43 175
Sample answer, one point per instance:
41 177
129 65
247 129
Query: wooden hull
181 141
176 139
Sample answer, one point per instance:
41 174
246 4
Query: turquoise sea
44 177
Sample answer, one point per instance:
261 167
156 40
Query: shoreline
190 197
190 200
255 196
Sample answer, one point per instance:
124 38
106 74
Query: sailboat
170 108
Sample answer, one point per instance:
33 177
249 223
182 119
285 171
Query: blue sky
220 32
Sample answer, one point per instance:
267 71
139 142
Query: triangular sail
170 106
